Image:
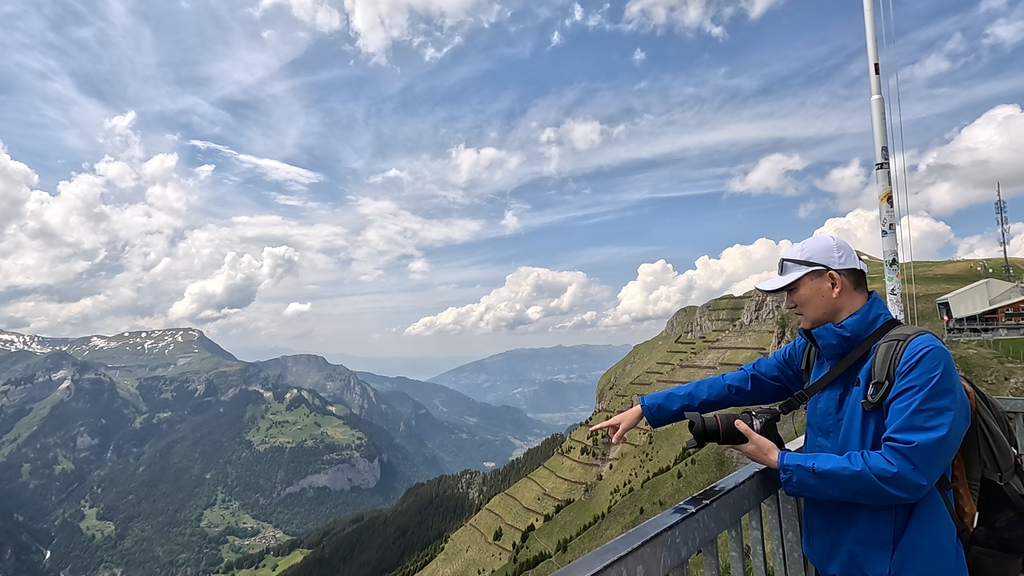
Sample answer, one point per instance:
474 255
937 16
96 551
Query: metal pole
883 181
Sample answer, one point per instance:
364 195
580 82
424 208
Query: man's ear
835 283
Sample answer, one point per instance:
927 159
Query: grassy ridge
591 491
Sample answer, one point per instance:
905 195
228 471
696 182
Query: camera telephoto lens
717 428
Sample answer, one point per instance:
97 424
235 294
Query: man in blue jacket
867 477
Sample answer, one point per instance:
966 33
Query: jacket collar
834 341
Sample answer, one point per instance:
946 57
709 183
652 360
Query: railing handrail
668 540
747 487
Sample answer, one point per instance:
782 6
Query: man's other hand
758 448
621 423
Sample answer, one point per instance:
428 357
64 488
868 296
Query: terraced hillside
591 491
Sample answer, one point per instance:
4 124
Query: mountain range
554 384
159 452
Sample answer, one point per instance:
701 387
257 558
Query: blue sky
423 182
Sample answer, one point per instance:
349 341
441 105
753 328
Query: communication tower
1003 221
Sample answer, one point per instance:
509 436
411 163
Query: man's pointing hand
621 423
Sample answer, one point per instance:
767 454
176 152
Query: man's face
812 299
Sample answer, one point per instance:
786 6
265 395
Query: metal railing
752 496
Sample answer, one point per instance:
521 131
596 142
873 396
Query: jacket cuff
649 413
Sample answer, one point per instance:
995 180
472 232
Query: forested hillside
414 528
160 453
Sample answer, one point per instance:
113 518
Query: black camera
721 428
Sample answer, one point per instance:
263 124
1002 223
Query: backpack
988 474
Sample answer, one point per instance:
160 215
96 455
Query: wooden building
989 308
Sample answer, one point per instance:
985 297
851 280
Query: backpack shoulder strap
807 362
803 395
885 361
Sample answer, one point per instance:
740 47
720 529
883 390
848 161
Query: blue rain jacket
867 478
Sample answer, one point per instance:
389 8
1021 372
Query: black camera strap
801 397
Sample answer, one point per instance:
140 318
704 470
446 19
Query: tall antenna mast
883 181
1004 228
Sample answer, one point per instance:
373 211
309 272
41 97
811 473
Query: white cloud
577 13
296 308
639 56
709 16
556 39
531 299
391 233
574 134
16 183
659 290
377 25
127 209
234 286
317 13
964 172
392 173
482 163
770 175
930 237
950 56
419 268
511 221
984 246
1005 31
578 133
131 244
849 184
271 169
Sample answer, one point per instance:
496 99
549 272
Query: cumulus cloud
659 290
849 184
556 39
929 238
639 56
129 243
128 208
234 286
578 133
317 13
770 175
510 222
964 171
274 170
297 308
377 25
482 163
531 299
709 16
984 246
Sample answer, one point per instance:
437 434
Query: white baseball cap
815 253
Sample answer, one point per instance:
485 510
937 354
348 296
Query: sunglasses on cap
784 261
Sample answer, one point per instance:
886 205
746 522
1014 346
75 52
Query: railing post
775 533
791 535
757 558
709 557
735 539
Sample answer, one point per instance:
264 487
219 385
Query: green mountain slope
413 528
160 453
591 491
